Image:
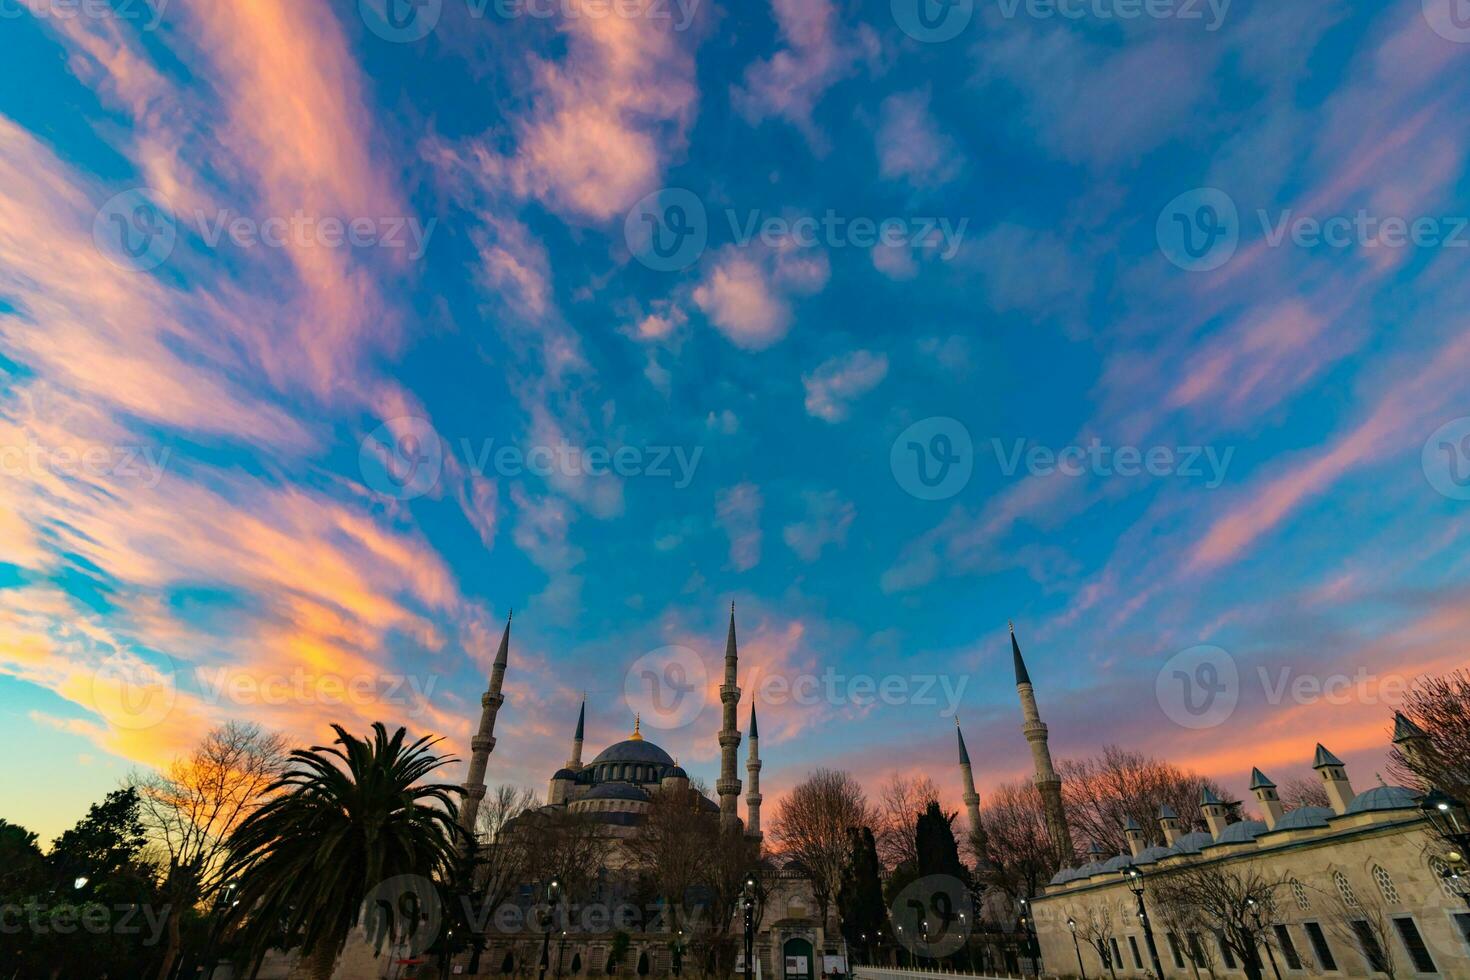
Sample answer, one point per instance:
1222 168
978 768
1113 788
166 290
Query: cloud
738 511
911 146
746 293
827 520
833 386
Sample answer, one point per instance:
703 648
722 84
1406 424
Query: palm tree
341 823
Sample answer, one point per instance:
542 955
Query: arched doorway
799 961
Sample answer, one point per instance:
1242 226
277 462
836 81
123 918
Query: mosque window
1441 872
1345 890
1299 890
1385 885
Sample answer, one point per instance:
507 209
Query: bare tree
1236 901
1018 856
672 845
1440 707
1365 925
1102 792
811 826
1300 791
1096 928
190 808
569 847
900 802
500 860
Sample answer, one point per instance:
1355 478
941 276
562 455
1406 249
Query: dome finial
637 736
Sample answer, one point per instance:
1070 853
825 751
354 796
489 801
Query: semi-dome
1304 817
676 773
1384 798
1117 863
1241 832
637 750
564 774
616 791
1063 876
1151 854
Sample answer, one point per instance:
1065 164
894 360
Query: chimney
1169 824
1214 810
1134 833
1334 779
1265 791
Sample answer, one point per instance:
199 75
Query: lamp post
747 904
1134 879
1027 925
553 892
1451 824
1258 916
1072 924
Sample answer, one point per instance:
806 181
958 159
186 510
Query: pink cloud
738 511
837 382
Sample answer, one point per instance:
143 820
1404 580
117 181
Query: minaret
1048 783
1214 811
728 785
1334 779
1415 745
971 798
753 775
1170 825
575 762
484 741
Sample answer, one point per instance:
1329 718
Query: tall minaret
728 785
575 762
971 798
484 741
1048 783
753 774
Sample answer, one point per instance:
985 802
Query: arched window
508 965
1385 885
1345 890
576 963
1441 871
1299 890
643 964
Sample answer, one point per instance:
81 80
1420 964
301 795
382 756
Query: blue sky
1145 332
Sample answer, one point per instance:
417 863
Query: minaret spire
1048 783
971 798
484 741
753 775
728 785
575 762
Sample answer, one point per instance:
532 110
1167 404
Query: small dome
1118 863
634 750
564 774
616 791
1062 877
1191 843
1303 817
1384 798
1151 854
676 773
1241 832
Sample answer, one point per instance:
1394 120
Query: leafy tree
341 822
105 843
935 844
860 897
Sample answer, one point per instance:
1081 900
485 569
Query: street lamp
1027 926
553 892
1258 914
1072 924
80 883
1134 879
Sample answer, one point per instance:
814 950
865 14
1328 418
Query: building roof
1117 863
1303 817
1151 854
1384 798
1207 797
634 750
564 774
1259 781
1324 758
1166 812
1191 843
1022 676
616 791
1241 832
1404 729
